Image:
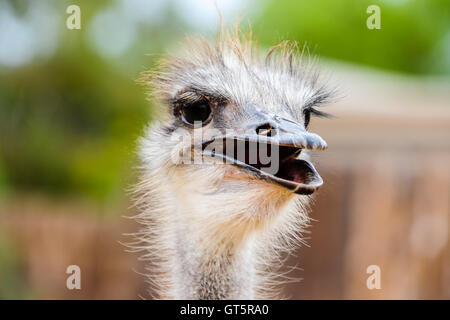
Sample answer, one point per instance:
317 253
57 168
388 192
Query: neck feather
202 250
213 267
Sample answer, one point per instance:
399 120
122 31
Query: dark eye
198 111
307 116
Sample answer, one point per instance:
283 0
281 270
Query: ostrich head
226 174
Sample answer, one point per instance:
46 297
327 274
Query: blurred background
71 111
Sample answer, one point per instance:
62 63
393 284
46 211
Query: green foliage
414 35
13 285
3 181
69 125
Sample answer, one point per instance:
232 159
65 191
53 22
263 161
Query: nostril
266 129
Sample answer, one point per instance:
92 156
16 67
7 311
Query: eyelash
307 112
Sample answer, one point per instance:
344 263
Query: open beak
270 149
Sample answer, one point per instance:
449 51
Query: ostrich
214 227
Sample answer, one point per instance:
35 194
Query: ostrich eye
198 111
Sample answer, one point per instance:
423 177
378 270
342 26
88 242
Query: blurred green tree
414 35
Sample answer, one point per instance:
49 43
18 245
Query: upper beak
285 132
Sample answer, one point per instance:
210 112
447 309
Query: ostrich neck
218 241
208 266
